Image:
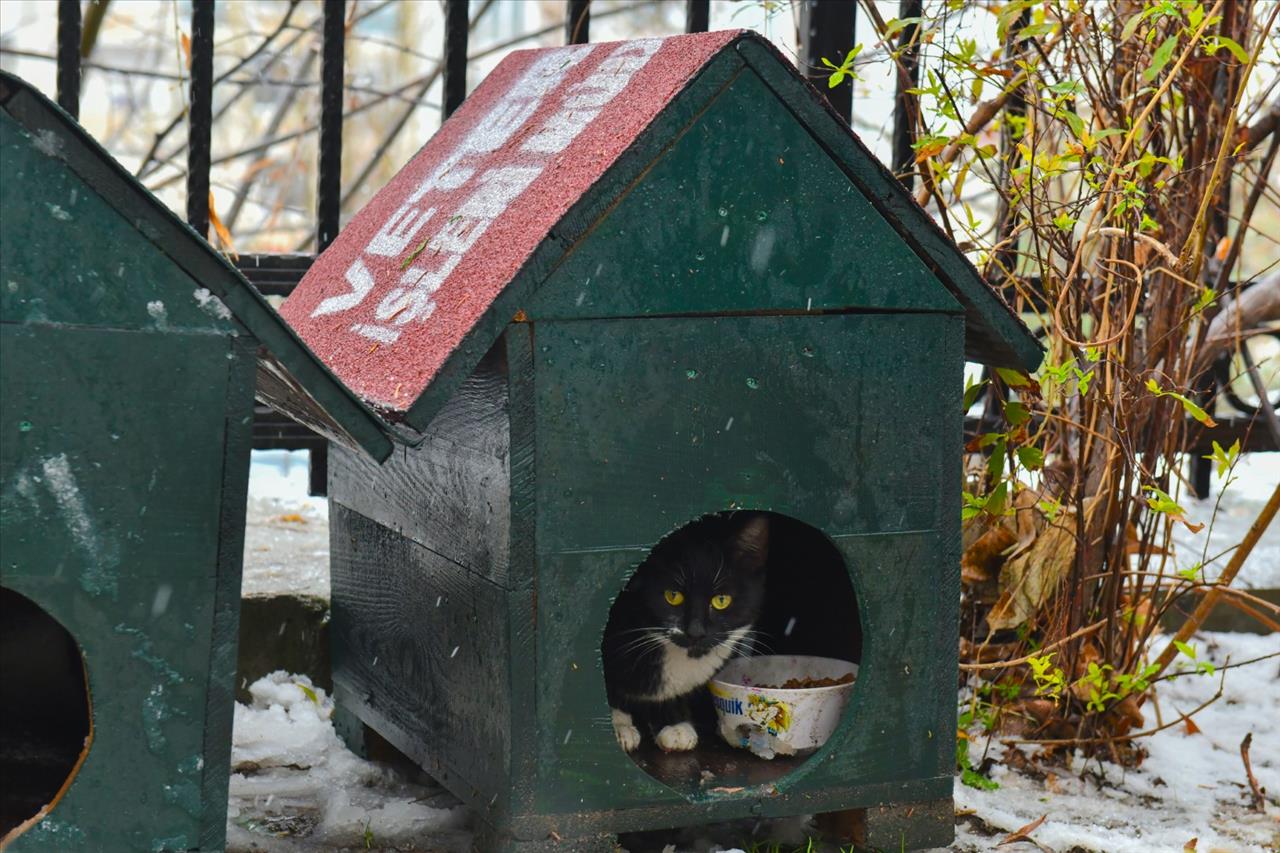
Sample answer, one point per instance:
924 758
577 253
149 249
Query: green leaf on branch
1215 43
897 25
1131 25
997 499
1224 459
1032 458
1187 403
971 391
1208 296
995 462
1160 501
1160 58
1016 414
844 69
1013 378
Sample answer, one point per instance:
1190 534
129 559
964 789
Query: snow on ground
295 786
1190 786
1254 478
286 543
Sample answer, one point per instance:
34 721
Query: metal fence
826 29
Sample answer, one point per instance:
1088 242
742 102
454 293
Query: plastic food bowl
756 712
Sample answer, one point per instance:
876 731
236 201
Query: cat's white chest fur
682 674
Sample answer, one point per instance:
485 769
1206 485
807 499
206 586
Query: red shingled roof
418 267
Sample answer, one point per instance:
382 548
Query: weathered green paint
668 366
126 410
993 334
768 222
108 518
611 471
704 414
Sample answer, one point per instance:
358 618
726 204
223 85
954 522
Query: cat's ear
750 544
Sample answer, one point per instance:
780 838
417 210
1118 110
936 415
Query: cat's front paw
625 730
681 737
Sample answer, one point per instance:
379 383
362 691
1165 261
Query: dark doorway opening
45 726
809 608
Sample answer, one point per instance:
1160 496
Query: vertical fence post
1006 258
200 116
329 182
456 24
697 16
827 31
905 104
69 34
577 22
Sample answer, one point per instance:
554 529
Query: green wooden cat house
624 286
129 356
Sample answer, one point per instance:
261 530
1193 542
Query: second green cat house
623 287
130 356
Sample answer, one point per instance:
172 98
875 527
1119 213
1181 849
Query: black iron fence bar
697 16
69 28
1006 255
906 104
200 116
456 31
827 31
577 22
329 178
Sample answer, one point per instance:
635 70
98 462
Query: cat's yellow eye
674 598
720 602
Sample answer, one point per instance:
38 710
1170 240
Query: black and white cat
688 608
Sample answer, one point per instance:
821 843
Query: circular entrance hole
725 586
45 726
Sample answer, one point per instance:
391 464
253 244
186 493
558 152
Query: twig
977 667
1257 800
1210 599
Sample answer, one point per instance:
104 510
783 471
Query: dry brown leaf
984 556
931 149
292 518
1190 846
1224 247
1024 833
1130 712
224 236
186 50
1192 728
1028 579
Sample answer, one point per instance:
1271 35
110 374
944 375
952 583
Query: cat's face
701 591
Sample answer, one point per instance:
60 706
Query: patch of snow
1238 503
286 548
48 142
286 544
158 313
295 785
762 249
211 304
1190 785
281 474
99 575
